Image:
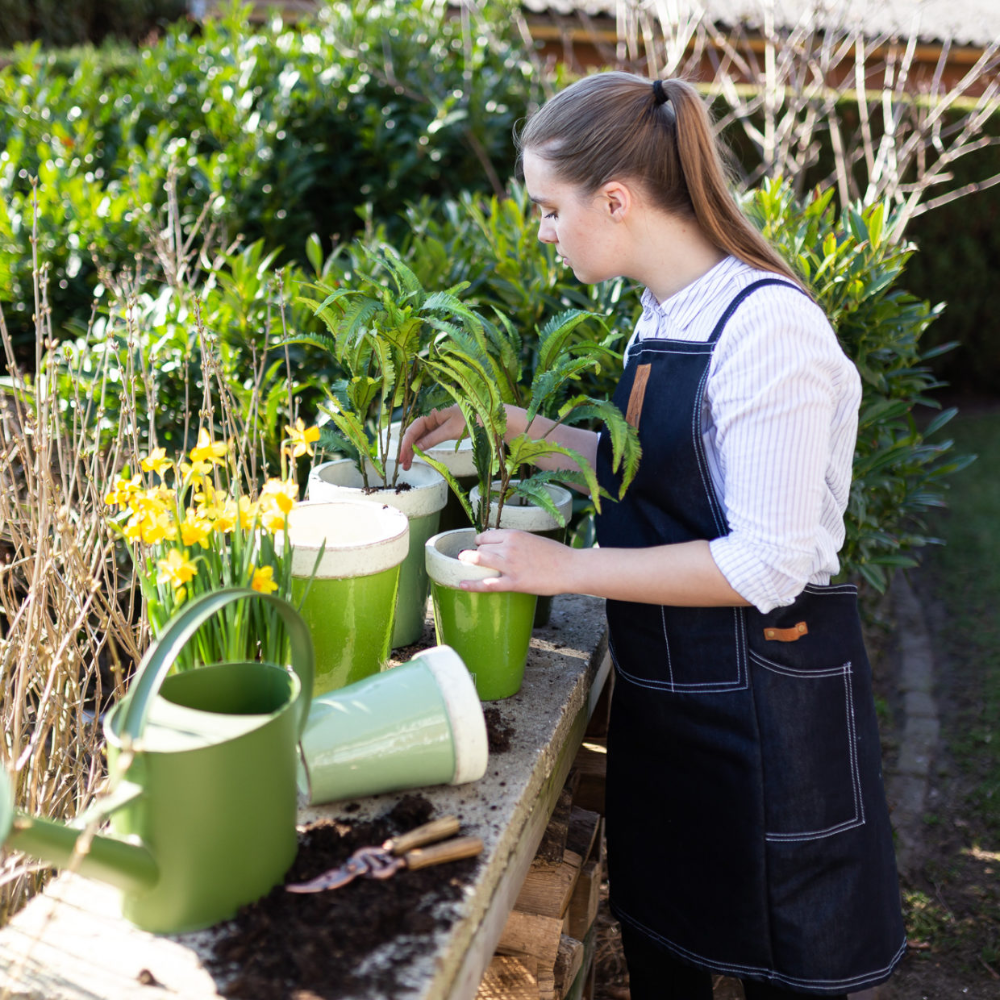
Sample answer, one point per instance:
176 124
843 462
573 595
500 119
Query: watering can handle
161 655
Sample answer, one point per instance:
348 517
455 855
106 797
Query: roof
962 22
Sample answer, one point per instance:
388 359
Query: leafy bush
854 272
73 22
291 131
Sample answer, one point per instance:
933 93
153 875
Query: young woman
746 820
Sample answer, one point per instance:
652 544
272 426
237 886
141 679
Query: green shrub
291 130
854 272
73 22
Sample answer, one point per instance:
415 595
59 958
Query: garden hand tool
405 851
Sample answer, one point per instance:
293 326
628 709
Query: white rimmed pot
349 605
421 494
523 515
416 725
456 457
491 632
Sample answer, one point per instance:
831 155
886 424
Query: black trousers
654 974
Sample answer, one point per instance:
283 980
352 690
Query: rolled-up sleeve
780 408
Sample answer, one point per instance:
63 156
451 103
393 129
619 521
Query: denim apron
747 826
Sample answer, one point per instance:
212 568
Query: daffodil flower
262 581
156 461
301 438
280 493
207 450
272 520
123 491
192 471
195 530
176 569
226 517
247 513
157 526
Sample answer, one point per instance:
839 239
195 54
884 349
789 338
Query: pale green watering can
203 767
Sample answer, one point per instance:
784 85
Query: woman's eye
551 215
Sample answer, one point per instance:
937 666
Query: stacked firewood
546 951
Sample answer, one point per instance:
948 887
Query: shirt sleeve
781 407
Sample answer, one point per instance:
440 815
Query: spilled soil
337 943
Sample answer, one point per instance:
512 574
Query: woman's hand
432 429
529 564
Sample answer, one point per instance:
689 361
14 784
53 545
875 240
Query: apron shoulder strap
741 295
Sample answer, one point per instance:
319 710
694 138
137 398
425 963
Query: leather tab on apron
786 634
637 395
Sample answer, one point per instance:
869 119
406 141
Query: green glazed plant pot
422 496
416 725
490 632
521 515
349 606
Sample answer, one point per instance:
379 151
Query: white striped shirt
779 419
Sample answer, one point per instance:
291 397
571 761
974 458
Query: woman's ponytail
618 125
710 197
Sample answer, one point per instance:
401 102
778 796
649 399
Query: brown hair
614 125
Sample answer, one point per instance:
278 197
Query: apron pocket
812 787
683 650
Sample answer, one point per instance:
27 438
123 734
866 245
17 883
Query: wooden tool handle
429 833
452 850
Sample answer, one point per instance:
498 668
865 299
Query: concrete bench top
70 943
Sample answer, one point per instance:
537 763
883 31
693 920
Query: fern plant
481 372
381 330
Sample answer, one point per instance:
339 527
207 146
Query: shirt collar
681 309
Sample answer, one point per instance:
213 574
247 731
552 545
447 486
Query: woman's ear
617 199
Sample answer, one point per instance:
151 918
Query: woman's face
580 225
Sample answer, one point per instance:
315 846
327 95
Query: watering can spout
129 867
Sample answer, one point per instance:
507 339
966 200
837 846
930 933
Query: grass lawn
952 901
966 574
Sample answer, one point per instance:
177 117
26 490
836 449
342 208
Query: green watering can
203 767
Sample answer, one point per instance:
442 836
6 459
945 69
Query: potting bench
70 943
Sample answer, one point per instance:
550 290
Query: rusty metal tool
409 850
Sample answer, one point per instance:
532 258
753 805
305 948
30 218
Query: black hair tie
659 93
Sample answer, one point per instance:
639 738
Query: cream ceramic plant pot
491 632
416 725
350 603
421 496
522 515
460 463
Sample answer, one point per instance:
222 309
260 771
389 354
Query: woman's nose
547 231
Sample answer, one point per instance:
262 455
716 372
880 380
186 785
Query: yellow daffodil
226 517
176 569
156 461
207 450
157 526
248 513
194 471
195 530
123 491
301 438
261 580
272 519
155 501
208 500
280 493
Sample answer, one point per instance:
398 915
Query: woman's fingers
429 430
526 563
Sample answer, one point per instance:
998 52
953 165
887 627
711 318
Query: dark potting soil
398 488
322 945
498 730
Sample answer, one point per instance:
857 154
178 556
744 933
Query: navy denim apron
747 826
